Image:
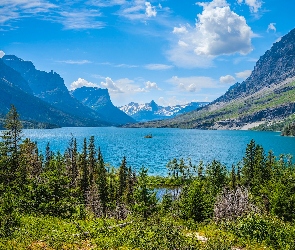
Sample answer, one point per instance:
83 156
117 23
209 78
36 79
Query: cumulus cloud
151 85
271 27
111 85
138 9
150 10
2 53
218 31
82 83
158 66
244 74
192 84
180 30
254 5
227 79
128 86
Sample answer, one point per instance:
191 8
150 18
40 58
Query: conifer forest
76 200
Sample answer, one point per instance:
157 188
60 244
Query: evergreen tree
249 164
10 149
233 177
84 182
91 159
101 181
145 199
123 170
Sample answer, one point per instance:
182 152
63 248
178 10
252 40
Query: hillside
36 112
99 100
50 87
267 96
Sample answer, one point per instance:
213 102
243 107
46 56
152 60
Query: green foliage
144 198
270 230
195 202
9 216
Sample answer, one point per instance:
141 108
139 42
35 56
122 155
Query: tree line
76 184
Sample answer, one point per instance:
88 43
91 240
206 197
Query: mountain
15 90
50 88
152 111
267 96
99 100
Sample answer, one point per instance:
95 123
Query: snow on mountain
152 111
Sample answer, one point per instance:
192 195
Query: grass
160 232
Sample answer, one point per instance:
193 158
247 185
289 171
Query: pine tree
233 177
249 164
84 182
91 159
101 181
122 179
145 199
11 145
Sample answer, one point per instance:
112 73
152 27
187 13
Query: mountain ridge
153 111
99 100
266 96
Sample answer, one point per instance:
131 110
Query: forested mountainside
267 96
42 97
50 87
15 90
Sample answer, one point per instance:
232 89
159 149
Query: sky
169 51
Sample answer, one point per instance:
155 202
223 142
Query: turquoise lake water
227 147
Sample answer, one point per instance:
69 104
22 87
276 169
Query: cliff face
50 88
15 90
99 100
267 96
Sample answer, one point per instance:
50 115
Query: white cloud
80 19
271 26
218 31
254 5
106 3
138 10
221 30
150 10
172 101
180 30
227 79
192 84
182 44
151 85
126 86
244 74
2 53
111 85
158 66
82 83
15 9
79 62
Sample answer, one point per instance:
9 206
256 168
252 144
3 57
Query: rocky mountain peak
276 65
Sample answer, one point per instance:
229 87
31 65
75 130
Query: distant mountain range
266 97
42 97
152 111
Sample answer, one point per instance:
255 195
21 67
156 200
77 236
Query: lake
227 147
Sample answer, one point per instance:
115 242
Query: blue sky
170 51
